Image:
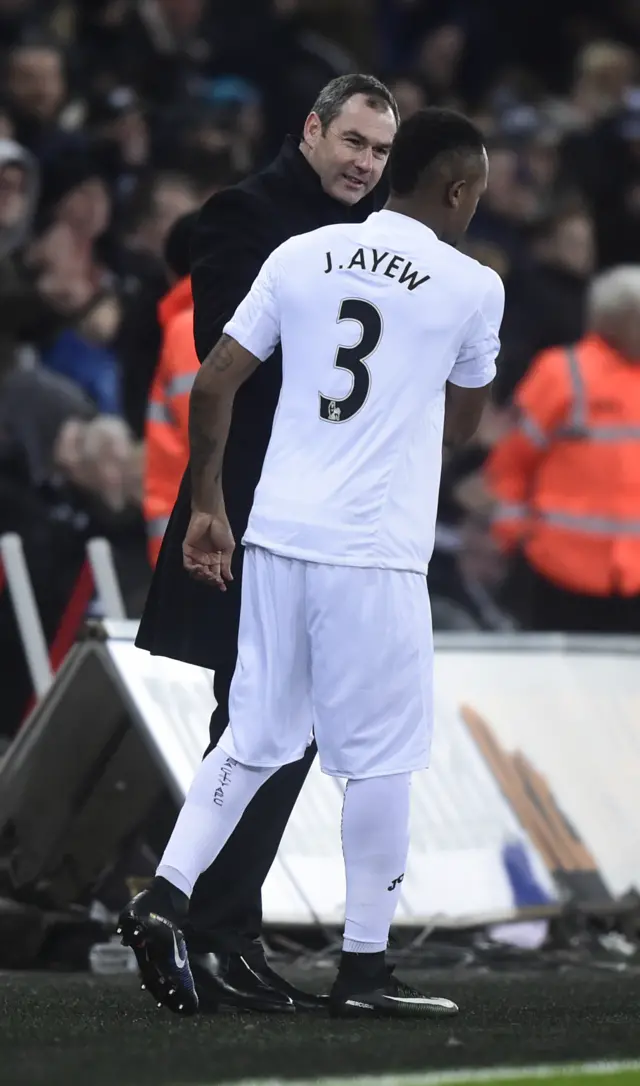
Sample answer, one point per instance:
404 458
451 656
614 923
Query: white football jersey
374 318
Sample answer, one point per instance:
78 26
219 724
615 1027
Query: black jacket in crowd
236 231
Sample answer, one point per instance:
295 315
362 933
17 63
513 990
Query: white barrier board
576 718
461 821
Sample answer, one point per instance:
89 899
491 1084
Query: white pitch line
444 1078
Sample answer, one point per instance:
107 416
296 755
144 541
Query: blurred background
130 113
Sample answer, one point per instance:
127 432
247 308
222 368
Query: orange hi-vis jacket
567 476
167 424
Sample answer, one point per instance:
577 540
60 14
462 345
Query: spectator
36 92
604 74
159 202
546 298
438 62
604 162
410 95
498 233
167 429
566 477
74 192
65 474
226 119
77 205
120 138
26 315
161 46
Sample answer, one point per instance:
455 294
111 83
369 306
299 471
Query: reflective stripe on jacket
567 476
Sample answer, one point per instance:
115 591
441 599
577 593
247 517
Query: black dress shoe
303 1001
230 980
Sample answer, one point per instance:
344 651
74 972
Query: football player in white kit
389 337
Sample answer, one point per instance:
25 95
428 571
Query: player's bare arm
226 367
463 411
209 544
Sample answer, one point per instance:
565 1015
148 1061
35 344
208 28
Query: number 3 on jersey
352 359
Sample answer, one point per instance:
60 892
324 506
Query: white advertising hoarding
461 820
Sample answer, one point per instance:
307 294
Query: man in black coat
328 176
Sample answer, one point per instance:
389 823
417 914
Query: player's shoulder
469 273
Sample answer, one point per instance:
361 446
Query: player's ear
312 129
455 193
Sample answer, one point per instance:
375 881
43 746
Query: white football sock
219 795
375 844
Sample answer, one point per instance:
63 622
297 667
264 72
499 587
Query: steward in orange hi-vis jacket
566 478
167 424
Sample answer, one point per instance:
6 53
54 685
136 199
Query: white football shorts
341 653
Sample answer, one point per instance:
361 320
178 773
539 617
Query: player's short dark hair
332 98
429 135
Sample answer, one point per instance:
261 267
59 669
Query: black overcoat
236 231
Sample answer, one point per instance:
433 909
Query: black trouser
226 906
555 609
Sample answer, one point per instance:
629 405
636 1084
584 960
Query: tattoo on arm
221 357
210 408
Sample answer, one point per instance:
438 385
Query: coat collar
292 165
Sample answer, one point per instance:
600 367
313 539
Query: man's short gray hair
613 292
332 98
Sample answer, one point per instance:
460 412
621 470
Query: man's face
350 156
13 195
574 245
86 208
36 81
171 200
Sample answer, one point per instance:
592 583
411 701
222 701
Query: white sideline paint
444 1078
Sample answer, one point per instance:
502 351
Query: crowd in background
130 113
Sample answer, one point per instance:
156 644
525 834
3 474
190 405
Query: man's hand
207 549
